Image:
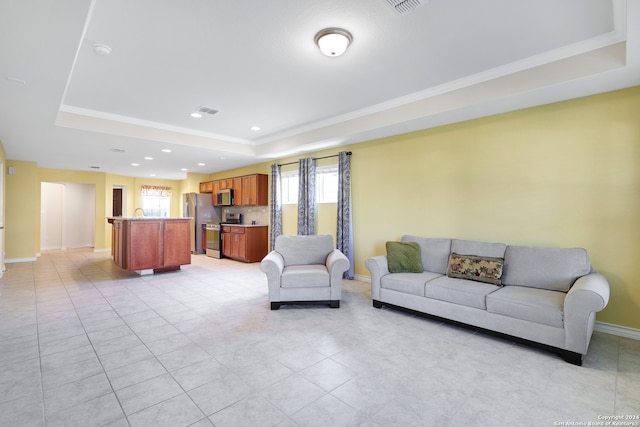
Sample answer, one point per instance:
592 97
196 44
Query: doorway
117 202
67 215
119 198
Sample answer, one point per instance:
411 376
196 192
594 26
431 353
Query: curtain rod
317 158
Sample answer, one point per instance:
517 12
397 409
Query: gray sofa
547 296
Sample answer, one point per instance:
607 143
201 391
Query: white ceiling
63 106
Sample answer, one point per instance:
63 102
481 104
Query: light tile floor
83 343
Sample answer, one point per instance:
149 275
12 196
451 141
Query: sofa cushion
408 283
477 268
459 291
301 250
469 247
545 268
404 257
305 276
536 305
434 252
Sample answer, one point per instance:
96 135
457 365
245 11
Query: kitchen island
150 245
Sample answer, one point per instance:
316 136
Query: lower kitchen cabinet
244 243
151 244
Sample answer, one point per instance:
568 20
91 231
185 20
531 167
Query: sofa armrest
588 295
273 265
378 266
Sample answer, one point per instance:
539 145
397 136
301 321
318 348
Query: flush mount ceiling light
333 41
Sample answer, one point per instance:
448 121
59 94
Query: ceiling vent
207 110
405 6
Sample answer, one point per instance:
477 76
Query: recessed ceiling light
222 158
200 164
135 164
255 128
101 49
196 115
16 80
152 174
148 158
184 169
166 150
118 150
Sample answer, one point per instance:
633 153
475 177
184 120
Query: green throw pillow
404 257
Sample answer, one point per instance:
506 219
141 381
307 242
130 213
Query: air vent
207 110
405 6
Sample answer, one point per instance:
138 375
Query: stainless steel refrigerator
200 208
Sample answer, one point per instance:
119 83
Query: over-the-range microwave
224 197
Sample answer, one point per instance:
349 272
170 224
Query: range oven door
213 240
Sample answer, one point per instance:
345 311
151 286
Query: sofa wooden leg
334 303
377 304
275 305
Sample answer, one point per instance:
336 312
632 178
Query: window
326 185
156 201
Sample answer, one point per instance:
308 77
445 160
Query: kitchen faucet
135 213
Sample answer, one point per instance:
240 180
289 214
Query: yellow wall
562 175
23 203
22 211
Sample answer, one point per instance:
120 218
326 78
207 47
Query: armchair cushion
305 276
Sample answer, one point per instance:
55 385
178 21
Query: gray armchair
304 269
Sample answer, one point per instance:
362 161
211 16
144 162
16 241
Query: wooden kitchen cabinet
237 191
248 190
255 191
247 244
206 187
176 248
151 244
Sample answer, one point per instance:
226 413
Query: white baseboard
102 250
14 260
362 278
617 330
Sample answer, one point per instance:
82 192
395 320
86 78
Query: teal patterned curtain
344 233
307 196
276 204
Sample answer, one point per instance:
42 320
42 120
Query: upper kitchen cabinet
248 190
255 190
206 187
237 190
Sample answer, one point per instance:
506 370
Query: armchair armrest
378 266
337 261
588 295
273 265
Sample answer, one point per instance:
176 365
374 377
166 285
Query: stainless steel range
214 239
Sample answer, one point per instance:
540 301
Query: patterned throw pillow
404 257
480 269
